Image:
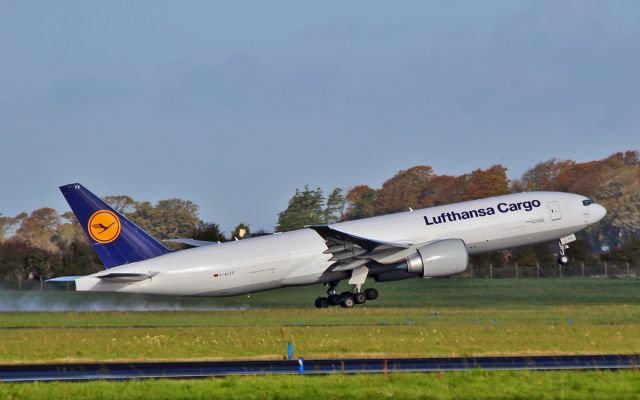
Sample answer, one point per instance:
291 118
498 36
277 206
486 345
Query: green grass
412 318
441 318
453 385
503 293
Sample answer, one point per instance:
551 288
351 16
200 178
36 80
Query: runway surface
204 369
98 327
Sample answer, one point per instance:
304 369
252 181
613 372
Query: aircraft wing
350 251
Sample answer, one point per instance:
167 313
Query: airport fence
31 284
539 271
490 271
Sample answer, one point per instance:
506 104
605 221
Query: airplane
425 243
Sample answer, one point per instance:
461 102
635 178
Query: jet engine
440 258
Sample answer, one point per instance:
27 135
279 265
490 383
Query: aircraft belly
520 239
93 284
217 281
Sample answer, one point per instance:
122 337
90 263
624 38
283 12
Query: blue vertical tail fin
117 240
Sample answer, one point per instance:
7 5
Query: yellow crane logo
104 226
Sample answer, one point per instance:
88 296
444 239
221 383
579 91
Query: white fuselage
298 258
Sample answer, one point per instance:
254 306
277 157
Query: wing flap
349 252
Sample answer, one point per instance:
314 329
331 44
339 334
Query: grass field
412 318
441 318
454 385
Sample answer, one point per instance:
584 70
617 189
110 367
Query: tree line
613 182
44 243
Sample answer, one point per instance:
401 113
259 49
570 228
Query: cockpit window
587 202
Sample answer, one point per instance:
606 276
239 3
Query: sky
233 105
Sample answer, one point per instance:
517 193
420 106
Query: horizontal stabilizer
191 242
64 279
126 276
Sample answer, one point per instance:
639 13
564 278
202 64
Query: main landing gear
349 299
346 299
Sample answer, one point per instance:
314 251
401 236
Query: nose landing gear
562 244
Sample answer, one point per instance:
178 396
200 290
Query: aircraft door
554 208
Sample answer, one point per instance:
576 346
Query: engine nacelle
441 258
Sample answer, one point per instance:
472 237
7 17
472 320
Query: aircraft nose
599 212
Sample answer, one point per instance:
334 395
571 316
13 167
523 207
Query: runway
99 327
204 369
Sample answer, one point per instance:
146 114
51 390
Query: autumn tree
617 188
402 191
486 183
40 229
46 243
418 187
543 176
442 189
359 203
613 182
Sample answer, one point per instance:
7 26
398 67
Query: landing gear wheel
359 298
347 301
371 294
563 260
322 302
335 300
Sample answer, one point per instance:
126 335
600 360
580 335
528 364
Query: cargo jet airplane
426 243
